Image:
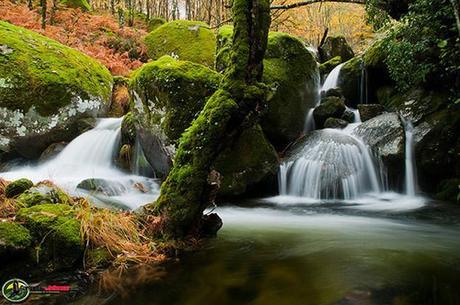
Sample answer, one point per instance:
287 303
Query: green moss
350 80
43 194
37 71
154 23
173 92
18 187
128 129
13 236
329 65
294 71
246 162
189 40
81 4
224 47
55 231
332 107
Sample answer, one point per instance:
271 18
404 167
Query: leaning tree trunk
234 106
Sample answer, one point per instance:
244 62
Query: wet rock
335 46
18 187
337 92
449 190
102 186
52 151
369 111
210 224
328 66
384 134
335 123
330 107
43 194
128 129
348 116
157 149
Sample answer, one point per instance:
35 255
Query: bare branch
308 2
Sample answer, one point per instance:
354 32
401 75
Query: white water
90 155
333 164
410 173
332 79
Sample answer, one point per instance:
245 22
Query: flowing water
410 172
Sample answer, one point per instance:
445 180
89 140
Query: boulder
155 23
348 116
246 163
55 233
14 238
183 39
335 123
335 46
128 129
328 66
52 151
369 111
330 107
384 134
47 91
18 187
291 69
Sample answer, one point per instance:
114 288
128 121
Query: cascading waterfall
91 155
410 172
332 164
332 79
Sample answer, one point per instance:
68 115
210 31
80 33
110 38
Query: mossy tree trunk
234 107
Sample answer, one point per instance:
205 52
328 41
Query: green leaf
442 44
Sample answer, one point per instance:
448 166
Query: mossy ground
37 71
81 4
188 40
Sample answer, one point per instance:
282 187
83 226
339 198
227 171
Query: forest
230 152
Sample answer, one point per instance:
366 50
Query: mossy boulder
169 94
14 238
46 89
43 194
81 4
326 67
246 163
128 129
18 187
155 23
335 46
292 69
55 234
224 47
184 39
330 107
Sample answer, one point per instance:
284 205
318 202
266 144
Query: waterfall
332 79
332 164
363 85
410 171
91 155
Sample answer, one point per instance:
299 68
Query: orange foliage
99 36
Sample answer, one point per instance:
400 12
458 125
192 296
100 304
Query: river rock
335 46
102 186
330 107
369 111
328 66
52 151
183 39
43 194
384 134
335 123
47 90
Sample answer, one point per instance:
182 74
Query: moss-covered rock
245 163
155 23
330 107
43 194
128 129
187 40
335 46
18 187
13 238
224 47
81 4
350 81
449 190
45 87
335 123
290 66
328 66
55 232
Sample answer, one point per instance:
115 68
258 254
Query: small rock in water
369 111
335 123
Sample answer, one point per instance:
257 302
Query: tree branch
308 2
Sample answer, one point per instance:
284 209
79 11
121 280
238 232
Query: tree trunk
43 13
30 4
186 192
